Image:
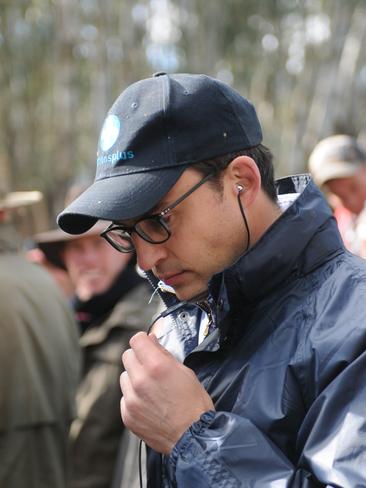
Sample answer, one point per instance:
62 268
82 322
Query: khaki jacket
39 371
97 431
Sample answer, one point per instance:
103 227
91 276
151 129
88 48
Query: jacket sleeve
224 450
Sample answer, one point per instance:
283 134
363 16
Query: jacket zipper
205 306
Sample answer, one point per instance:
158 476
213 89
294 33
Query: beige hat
335 157
17 199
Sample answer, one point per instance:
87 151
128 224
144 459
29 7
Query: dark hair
260 154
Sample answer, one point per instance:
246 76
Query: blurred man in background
338 166
110 304
39 365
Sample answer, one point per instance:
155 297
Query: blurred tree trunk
65 98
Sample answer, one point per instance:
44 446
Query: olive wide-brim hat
157 128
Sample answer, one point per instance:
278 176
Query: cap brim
120 197
58 235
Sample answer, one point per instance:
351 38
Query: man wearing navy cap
254 375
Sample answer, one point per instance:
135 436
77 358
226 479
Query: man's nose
148 255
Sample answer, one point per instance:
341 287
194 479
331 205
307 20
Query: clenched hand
161 396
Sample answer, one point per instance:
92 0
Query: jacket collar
284 249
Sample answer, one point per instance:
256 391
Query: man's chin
186 289
191 297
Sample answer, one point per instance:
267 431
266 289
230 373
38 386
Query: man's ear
244 178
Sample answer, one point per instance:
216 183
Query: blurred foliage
63 63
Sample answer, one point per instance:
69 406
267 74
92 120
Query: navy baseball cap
155 129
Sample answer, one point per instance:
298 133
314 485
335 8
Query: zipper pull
207 328
207 309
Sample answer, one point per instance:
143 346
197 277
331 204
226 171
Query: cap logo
110 132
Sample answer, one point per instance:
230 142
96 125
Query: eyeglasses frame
159 217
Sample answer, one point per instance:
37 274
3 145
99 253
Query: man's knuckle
157 369
140 386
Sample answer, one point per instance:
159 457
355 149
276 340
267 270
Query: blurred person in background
360 232
338 166
39 364
110 302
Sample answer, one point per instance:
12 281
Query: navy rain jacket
285 365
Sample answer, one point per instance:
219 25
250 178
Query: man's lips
172 279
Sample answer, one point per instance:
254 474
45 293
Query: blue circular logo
110 132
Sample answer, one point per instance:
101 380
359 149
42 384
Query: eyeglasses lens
121 238
152 230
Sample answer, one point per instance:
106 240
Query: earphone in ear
240 189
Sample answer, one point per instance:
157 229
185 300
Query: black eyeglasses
152 228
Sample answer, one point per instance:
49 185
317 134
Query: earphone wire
244 218
140 465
